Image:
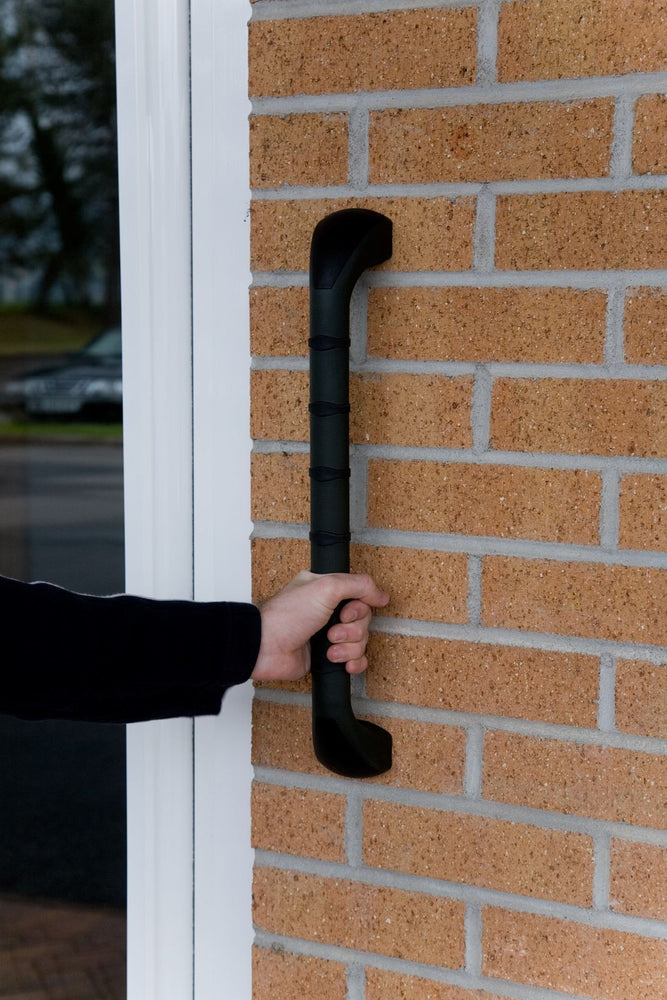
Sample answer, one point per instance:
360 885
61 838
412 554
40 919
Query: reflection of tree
58 183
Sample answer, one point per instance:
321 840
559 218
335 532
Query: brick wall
509 489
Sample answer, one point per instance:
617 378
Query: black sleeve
119 659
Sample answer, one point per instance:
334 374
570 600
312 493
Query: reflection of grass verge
59 332
51 431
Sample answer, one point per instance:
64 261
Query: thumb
354 586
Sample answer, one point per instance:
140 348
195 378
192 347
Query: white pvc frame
182 114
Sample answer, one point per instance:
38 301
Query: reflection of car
88 384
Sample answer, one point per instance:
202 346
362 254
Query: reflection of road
61 515
62 785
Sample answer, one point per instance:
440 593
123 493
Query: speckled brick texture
280 487
509 857
392 922
382 985
549 39
623 603
279 975
404 409
590 230
509 490
396 49
643 512
279 321
457 676
431 234
428 757
596 416
645 324
539 325
641 698
622 786
546 952
649 155
298 821
638 879
505 502
491 143
422 584
298 149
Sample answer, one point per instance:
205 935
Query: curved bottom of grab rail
352 757
346 745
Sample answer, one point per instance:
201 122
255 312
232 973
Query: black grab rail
344 244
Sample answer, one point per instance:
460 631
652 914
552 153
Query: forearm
119 659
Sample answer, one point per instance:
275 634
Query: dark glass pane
62 785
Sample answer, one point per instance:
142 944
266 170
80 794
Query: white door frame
182 122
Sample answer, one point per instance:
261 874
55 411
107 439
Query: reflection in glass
62 786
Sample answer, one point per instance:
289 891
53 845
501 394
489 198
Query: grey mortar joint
609 509
614 352
484 236
487 42
473 938
356 981
620 165
357 124
475 590
480 417
607 694
472 780
601 871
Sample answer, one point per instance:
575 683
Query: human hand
305 606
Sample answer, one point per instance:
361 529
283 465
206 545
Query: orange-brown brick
279 405
279 324
495 500
423 48
430 234
607 783
426 585
580 416
624 603
394 922
549 39
560 688
541 325
491 142
280 487
280 975
571 957
387 408
645 325
298 149
582 230
427 756
422 584
489 853
643 512
421 410
276 561
298 821
648 152
638 879
381 985
641 698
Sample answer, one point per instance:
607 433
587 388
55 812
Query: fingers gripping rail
344 244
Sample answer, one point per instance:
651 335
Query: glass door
62 785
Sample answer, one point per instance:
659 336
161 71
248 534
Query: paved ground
51 951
